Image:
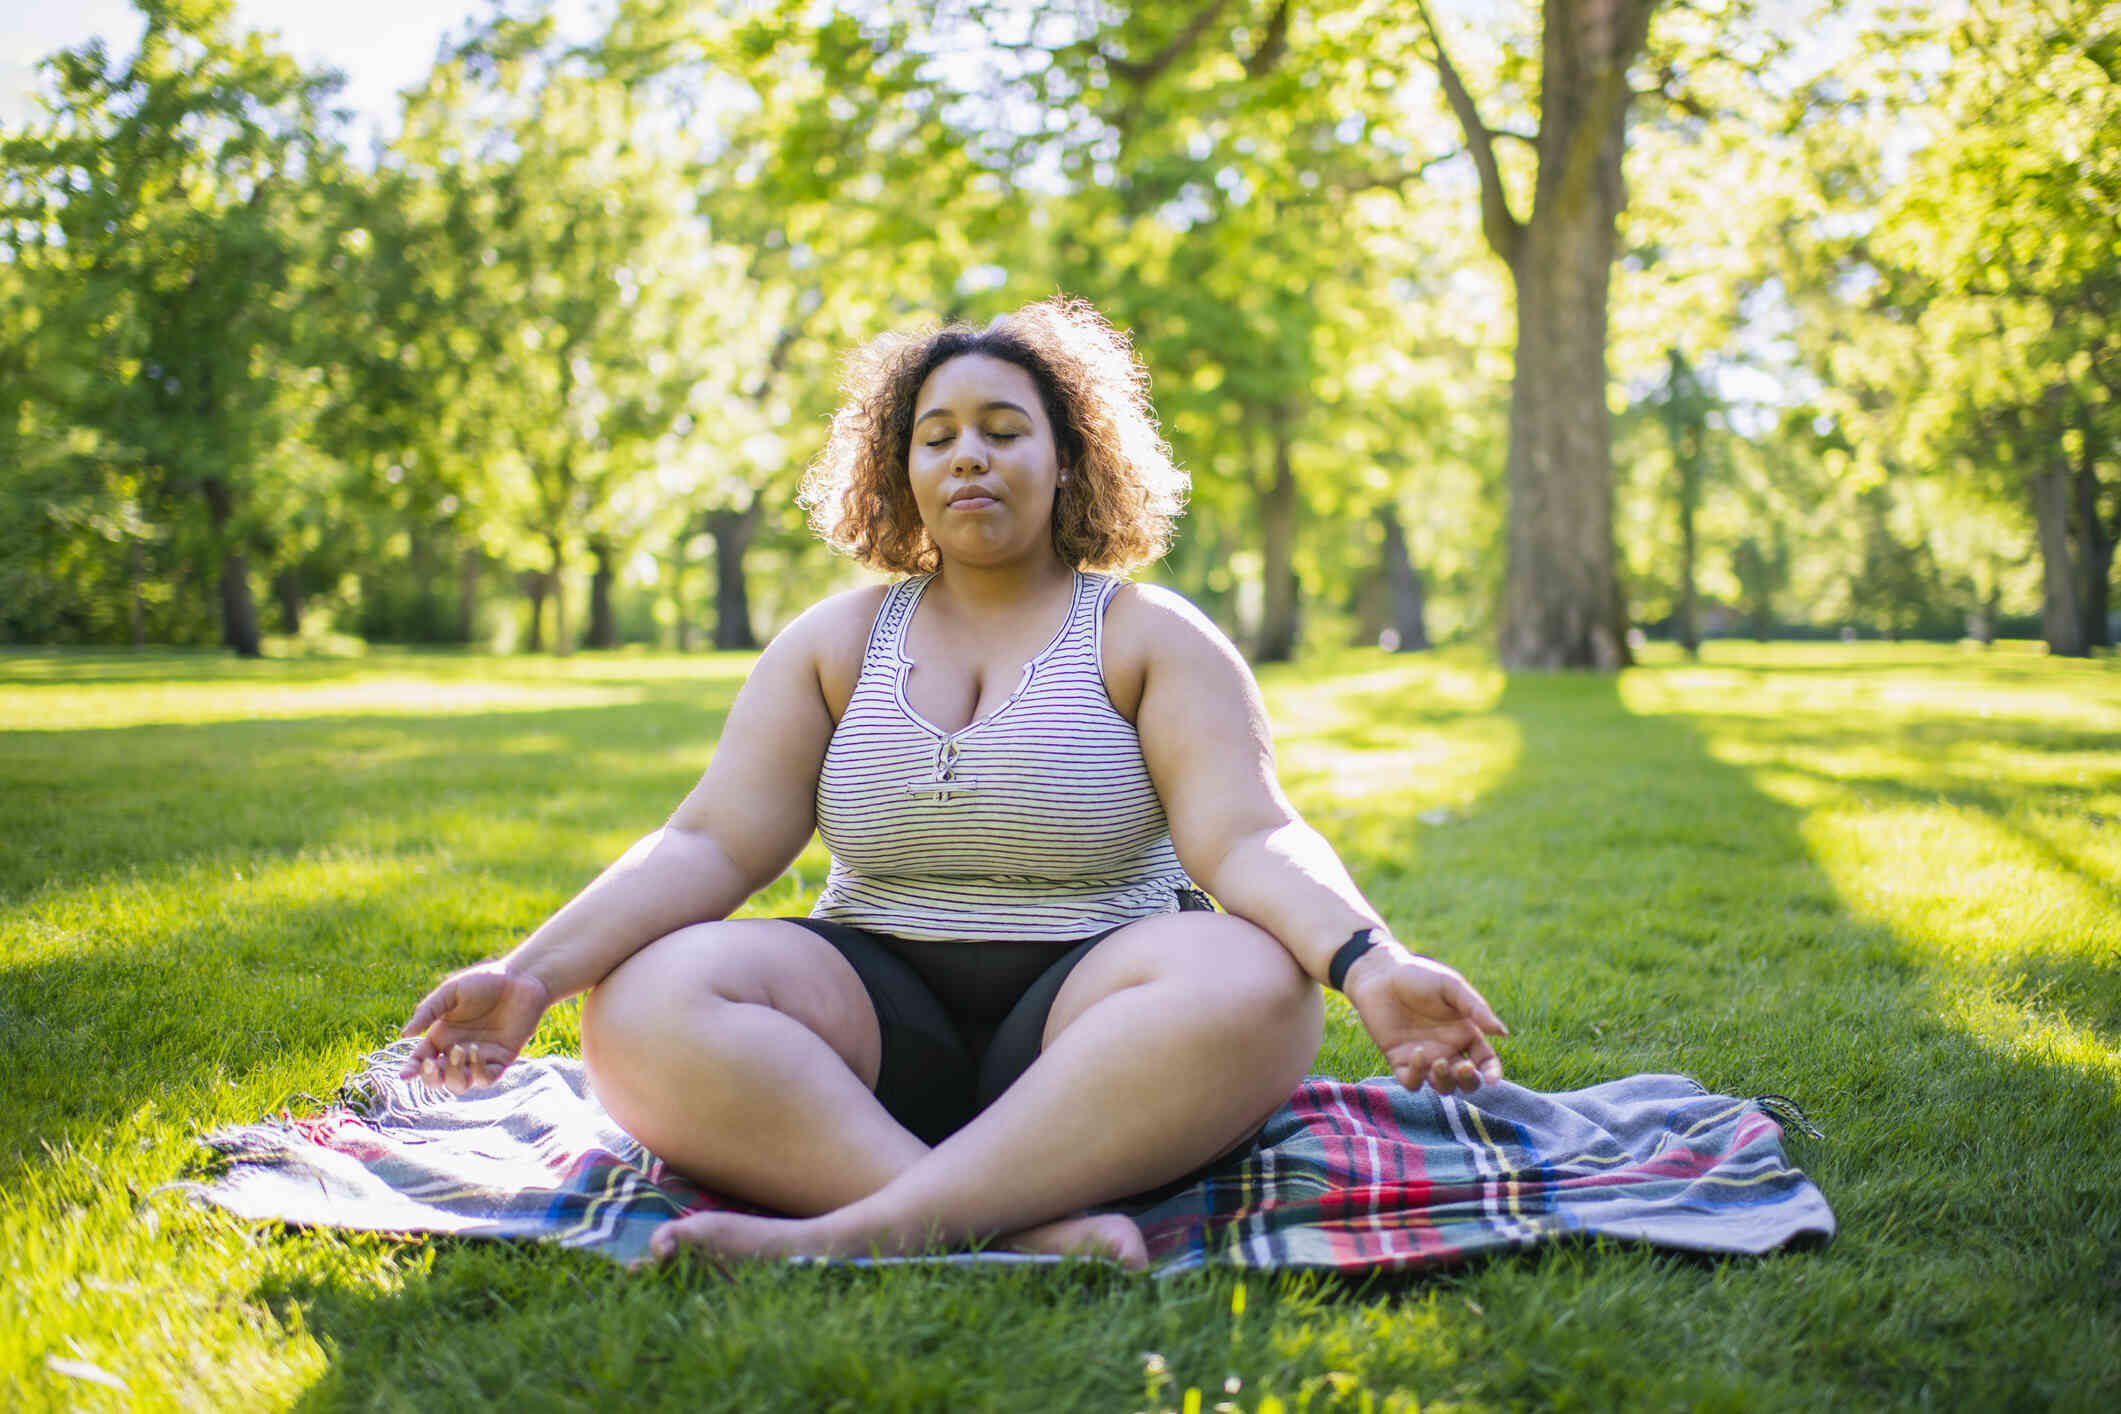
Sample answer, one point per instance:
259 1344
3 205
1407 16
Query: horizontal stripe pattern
1038 821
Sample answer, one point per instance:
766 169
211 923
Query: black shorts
960 1020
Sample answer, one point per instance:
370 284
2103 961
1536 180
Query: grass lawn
1885 880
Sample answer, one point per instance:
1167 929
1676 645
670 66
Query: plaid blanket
1349 1177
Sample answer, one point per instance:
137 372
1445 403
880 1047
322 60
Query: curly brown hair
1113 512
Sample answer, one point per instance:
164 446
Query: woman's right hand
472 1027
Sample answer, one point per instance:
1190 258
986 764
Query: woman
1009 1005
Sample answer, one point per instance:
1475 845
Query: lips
970 500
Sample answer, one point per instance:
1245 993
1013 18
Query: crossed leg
745 1054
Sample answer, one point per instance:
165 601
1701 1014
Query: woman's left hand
1432 1026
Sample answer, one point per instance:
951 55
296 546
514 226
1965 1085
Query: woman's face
983 462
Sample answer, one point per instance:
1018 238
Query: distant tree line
1466 325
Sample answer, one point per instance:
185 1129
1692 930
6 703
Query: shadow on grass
1629 901
1632 903
79 805
189 905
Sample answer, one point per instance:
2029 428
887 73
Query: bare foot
1112 1236
723 1238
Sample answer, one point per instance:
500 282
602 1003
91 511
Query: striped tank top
1036 823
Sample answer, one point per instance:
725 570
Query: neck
980 589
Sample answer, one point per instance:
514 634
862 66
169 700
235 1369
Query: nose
970 451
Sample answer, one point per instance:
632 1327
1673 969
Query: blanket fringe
1783 1108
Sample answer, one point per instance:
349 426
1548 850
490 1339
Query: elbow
749 863
1224 864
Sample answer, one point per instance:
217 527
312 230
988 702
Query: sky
381 46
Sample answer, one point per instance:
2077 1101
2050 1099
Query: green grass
1883 880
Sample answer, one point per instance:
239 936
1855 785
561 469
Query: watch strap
1337 970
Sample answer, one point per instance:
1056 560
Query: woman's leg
745 1054
1171 1040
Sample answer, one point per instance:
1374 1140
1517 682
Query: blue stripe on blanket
1346 1177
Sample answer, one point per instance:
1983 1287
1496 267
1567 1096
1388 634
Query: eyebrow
983 407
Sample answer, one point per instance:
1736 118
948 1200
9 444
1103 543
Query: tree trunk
1689 602
1561 601
603 623
2061 607
1689 596
2096 565
287 592
239 612
1409 594
732 532
1981 627
533 582
1278 511
1686 413
562 641
681 613
467 595
136 576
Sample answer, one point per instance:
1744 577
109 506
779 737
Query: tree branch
1668 87
1395 179
1504 231
1142 74
1273 46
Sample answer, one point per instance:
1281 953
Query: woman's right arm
744 822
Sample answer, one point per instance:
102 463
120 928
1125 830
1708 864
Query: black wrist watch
1360 942
1337 970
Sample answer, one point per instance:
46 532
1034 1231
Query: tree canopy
1541 325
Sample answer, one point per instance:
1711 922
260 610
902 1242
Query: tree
2015 222
1220 186
574 303
161 213
1685 405
1562 602
1979 331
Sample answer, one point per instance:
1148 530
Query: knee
1262 988
1292 1001
632 1010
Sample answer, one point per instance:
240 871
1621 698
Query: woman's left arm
1205 737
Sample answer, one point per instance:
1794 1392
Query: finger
1440 1079
478 1067
422 1052
1409 1066
433 1005
1483 1063
1474 1007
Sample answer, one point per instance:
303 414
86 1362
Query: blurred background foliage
540 369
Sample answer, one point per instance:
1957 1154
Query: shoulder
851 611
1153 633
830 637
1158 621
